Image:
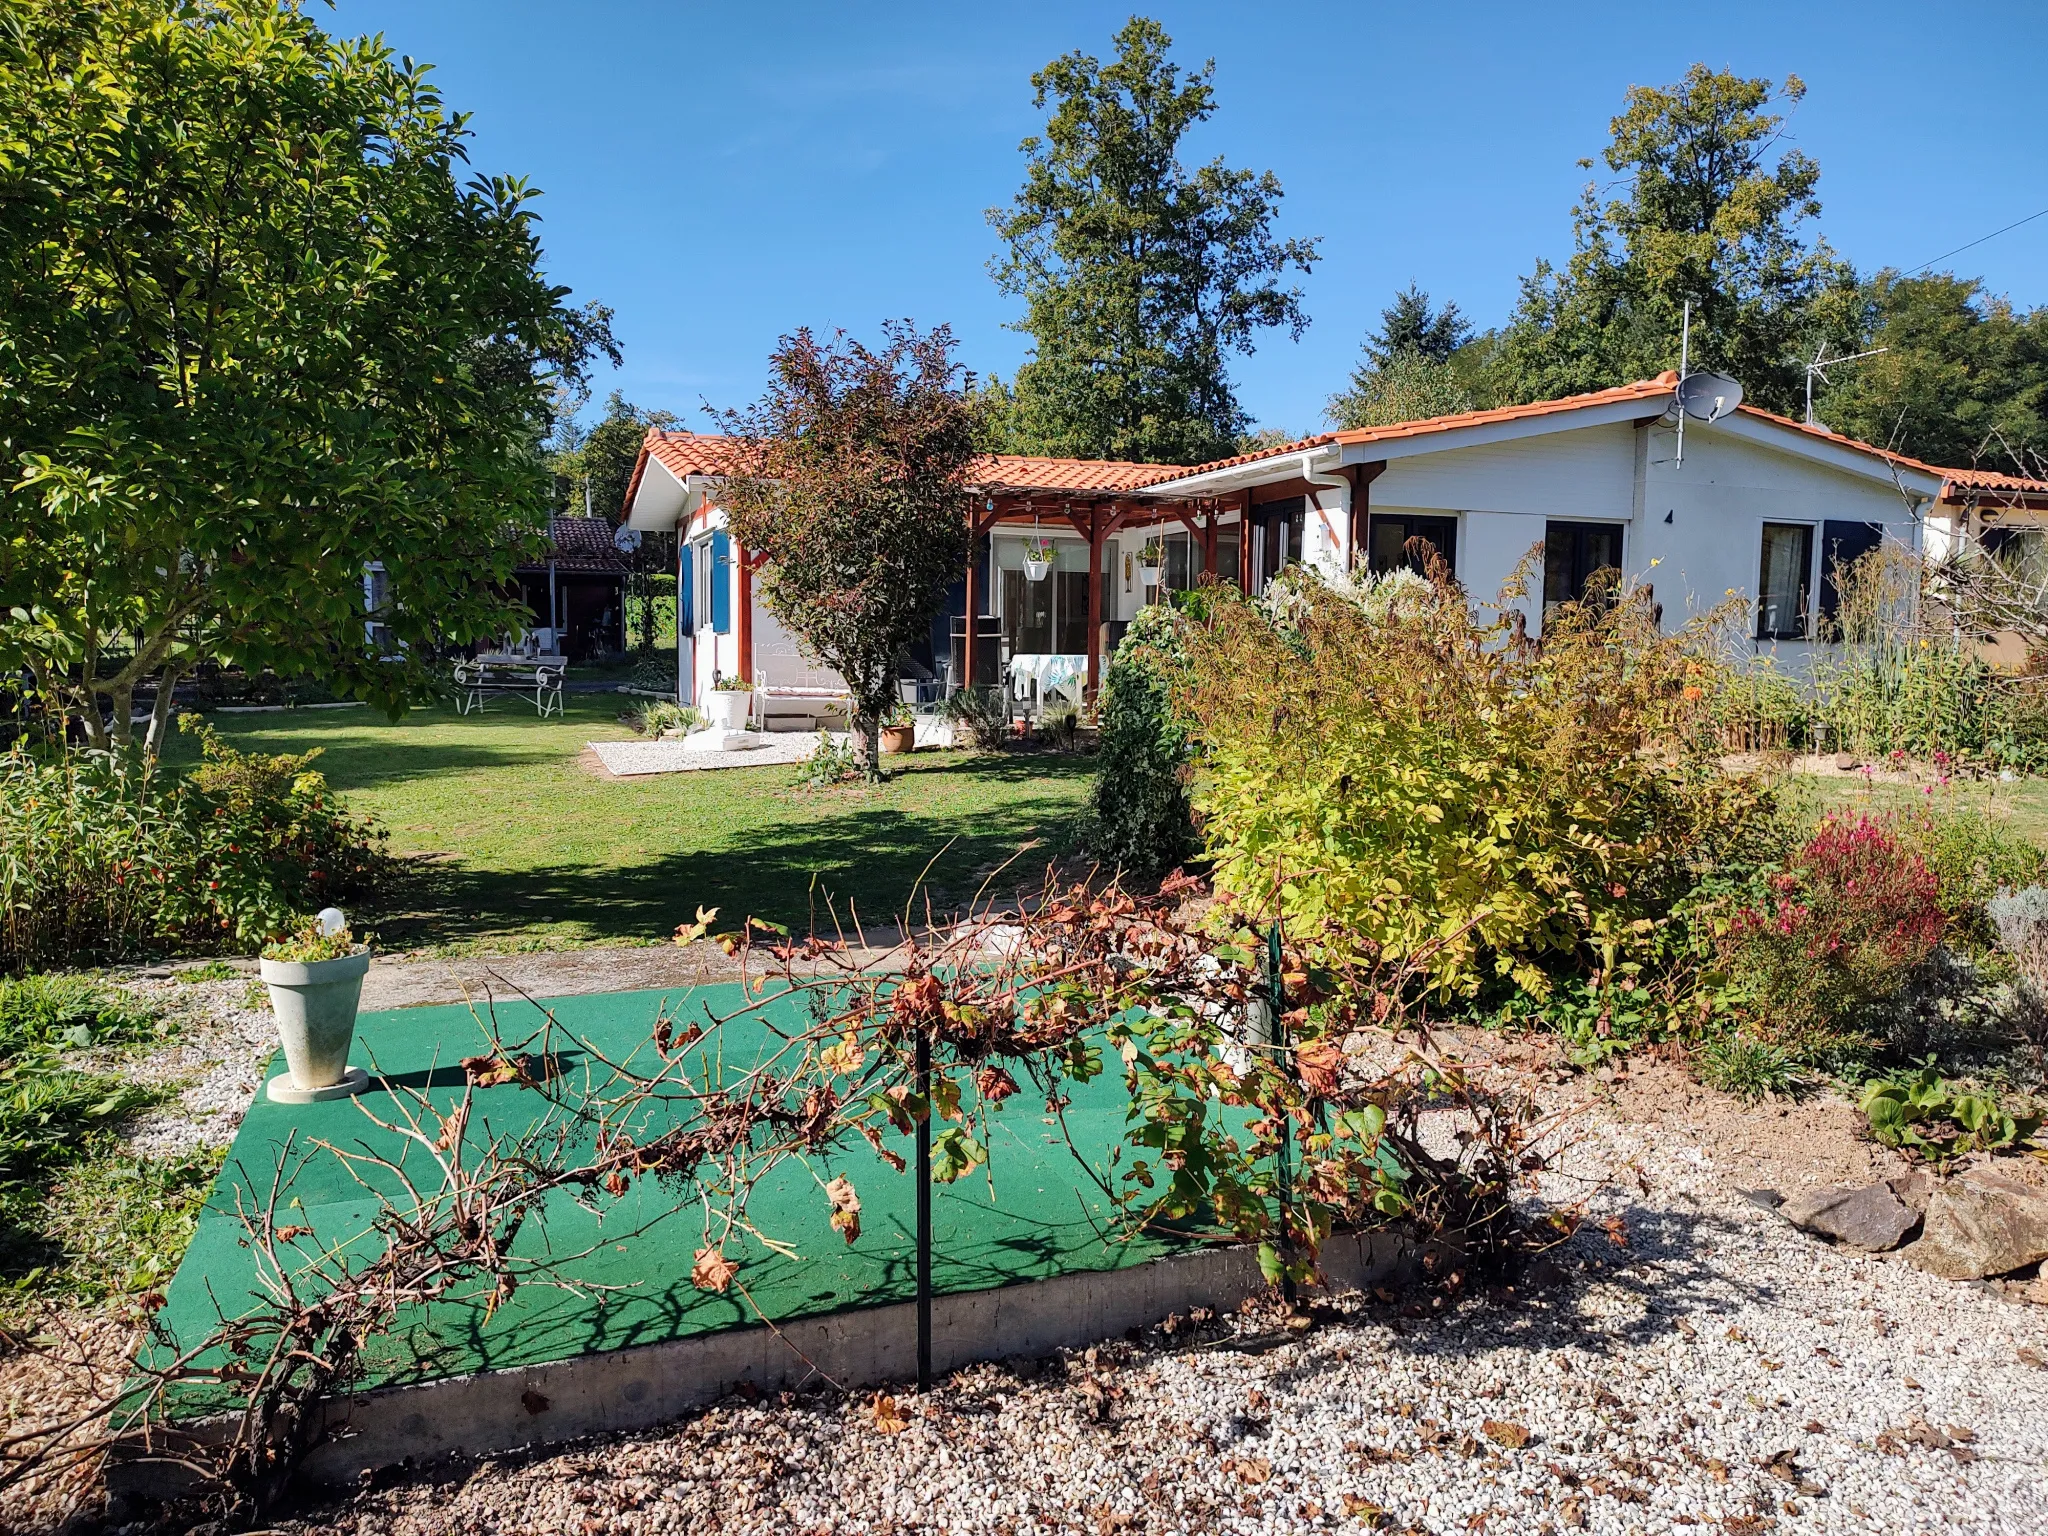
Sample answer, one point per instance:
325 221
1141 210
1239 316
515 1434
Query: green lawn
2022 805
531 848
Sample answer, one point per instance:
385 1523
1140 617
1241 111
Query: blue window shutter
686 590
721 583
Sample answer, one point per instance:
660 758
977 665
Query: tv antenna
1821 364
1704 396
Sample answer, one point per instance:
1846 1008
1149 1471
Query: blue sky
720 174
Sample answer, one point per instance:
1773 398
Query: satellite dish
625 539
1708 396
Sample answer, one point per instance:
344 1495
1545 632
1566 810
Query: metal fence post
924 1214
1276 1000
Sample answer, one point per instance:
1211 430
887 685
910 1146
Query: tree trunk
867 743
160 714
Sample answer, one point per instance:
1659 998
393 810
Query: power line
1944 256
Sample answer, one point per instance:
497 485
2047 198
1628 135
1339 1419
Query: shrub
983 713
1427 785
834 762
1850 919
658 715
1926 697
1974 856
83 852
1140 819
265 840
100 860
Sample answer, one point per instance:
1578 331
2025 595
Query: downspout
1334 482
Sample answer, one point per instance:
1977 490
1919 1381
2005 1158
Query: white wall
1728 488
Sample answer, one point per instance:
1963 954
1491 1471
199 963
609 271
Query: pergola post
1094 600
973 601
1362 477
1244 543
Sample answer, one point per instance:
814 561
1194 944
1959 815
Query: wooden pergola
1095 515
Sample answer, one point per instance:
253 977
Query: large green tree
1709 207
1140 276
1963 379
256 332
1406 372
850 484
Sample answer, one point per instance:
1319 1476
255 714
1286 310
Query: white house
1758 506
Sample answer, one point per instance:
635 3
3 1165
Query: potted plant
315 977
899 731
729 704
1148 563
1039 554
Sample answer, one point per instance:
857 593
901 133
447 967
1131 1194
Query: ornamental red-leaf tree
267 351
850 486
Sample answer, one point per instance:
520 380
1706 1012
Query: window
376 599
2022 551
1841 546
1783 575
1387 536
1277 528
1048 616
1573 554
686 588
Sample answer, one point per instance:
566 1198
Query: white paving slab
629 759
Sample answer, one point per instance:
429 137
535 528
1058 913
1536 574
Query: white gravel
1719 1371
222 1039
628 759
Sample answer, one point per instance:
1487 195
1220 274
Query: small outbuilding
578 590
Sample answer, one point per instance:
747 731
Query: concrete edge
646 1385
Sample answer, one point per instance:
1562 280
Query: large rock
1871 1217
1982 1224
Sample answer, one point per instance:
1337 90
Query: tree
1963 380
850 484
1406 373
1139 276
1410 325
1703 214
254 335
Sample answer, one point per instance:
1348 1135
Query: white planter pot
727 710
1037 570
1149 574
314 1003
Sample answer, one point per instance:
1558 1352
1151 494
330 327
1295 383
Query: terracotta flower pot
314 1003
898 739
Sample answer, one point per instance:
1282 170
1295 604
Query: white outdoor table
1052 672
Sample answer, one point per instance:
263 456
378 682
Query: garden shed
577 590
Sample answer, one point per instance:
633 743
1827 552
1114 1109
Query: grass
2021 805
515 842
80 1217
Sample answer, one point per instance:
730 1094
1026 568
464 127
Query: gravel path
1720 1370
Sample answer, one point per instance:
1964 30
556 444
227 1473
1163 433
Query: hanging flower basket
1039 554
1148 565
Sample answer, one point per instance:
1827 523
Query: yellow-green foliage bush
1421 783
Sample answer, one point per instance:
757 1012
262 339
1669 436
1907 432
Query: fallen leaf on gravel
1685 1327
1748 1525
2033 1357
1814 1427
887 1419
1573 1513
1356 1508
1500 1432
1252 1469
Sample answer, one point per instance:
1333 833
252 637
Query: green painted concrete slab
1042 1217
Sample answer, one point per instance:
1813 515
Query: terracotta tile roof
1024 472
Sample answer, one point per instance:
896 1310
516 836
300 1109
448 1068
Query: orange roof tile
1027 472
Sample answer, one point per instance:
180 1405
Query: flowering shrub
1852 916
99 860
1140 821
